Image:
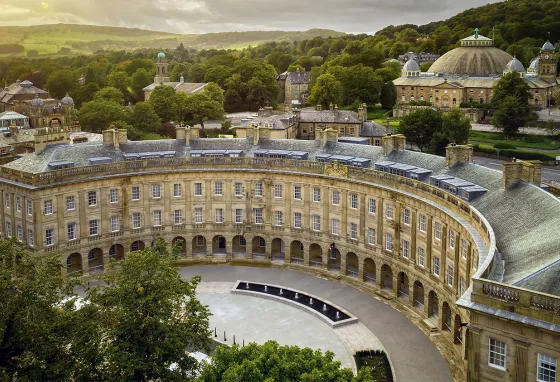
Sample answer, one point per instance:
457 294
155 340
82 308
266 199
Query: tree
218 74
146 317
121 81
140 79
181 69
197 73
388 95
96 116
511 84
215 92
144 118
84 93
263 88
197 108
511 114
456 127
272 362
34 323
421 126
90 77
110 94
165 103
61 82
326 90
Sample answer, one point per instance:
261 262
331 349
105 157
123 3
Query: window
218 188
422 223
71 231
156 215
19 232
436 265
297 220
198 215
70 203
8 229
372 207
49 236
388 242
156 191
354 231
451 239
421 256
92 198
278 190
200 242
177 190
297 192
93 227
7 200
316 194
135 193
238 189
406 249
115 223
437 231
178 217
18 204
462 285
316 219
262 242
258 215
354 201
278 218
389 211
136 220
198 189
258 187
29 207
242 241
450 274
406 216
497 354
239 215
335 198
47 207
30 238
335 226
464 249
546 368
371 236
113 195
219 215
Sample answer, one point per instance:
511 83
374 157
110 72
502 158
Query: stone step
385 294
431 324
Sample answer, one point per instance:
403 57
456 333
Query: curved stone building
473 251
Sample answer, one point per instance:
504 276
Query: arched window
470 100
481 101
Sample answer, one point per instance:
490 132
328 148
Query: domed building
466 75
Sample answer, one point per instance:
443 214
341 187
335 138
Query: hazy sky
202 16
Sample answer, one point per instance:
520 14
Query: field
87 39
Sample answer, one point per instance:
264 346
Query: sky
206 16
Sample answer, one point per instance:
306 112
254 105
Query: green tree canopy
165 103
109 93
62 82
84 93
140 79
218 74
511 114
121 81
388 96
144 118
215 92
326 90
510 85
96 116
199 107
421 126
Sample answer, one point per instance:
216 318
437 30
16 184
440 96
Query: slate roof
299 77
525 218
185 87
372 129
468 82
328 116
19 88
278 121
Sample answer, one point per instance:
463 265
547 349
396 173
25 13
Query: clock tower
548 62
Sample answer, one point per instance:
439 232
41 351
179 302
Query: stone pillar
360 268
413 230
473 354
396 282
378 276
85 264
429 238
520 365
342 263
411 291
306 255
248 247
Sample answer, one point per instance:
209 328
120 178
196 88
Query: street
548 173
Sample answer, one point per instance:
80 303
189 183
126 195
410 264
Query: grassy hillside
84 39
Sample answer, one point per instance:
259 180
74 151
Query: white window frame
30 207
406 216
297 219
113 195
49 237
136 220
278 218
451 239
316 223
546 368
92 198
70 203
335 226
335 198
406 248
18 204
421 257
436 266
389 211
464 246
450 275
218 188
239 215
422 223
497 354
115 223
388 242
372 206
198 215
71 231
135 193
297 192
157 218
93 227
354 201
177 190
198 189
259 218
258 189
48 207
8 229
156 191
19 233
238 188
437 231
7 198
462 285
219 216
278 191
316 194
30 238
178 218
371 236
353 231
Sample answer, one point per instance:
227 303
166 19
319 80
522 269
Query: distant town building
294 87
162 78
419 57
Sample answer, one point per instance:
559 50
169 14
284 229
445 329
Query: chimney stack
109 136
527 171
392 142
457 153
181 133
193 132
327 135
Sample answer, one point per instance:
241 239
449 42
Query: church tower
548 62
161 69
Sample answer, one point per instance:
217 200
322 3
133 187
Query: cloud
203 16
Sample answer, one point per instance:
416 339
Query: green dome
161 55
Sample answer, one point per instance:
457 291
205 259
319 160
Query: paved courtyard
414 356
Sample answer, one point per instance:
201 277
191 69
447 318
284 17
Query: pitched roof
328 116
25 87
185 87
299 77
372 129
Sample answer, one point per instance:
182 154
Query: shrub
503 145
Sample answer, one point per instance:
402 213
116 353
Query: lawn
521 140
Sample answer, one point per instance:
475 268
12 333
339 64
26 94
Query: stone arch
433 304
352 264
136 246
199 245
180 243
259 246
316 255
403 284
457 330
386 277
239 245
278 250
418 294
74 264
445 317
95 260
334 259
297 251
116 252
369 271
219 245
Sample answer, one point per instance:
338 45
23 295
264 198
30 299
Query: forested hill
519 26
68 39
